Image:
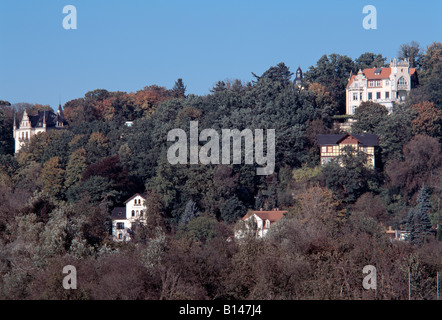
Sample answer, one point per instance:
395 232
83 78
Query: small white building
261 220
125 218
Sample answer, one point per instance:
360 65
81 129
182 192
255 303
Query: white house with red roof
262 220
124 219
385 86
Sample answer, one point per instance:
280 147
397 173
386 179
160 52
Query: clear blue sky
127 45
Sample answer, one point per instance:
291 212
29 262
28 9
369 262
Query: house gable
124 219
348 139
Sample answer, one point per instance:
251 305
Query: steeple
60 111
298 79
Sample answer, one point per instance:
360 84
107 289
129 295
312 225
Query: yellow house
331 145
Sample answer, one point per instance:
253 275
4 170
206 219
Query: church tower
298 79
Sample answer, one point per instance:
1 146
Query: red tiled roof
351 80
385 74
370 73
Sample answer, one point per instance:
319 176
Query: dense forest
57 193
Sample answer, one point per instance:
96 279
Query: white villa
386 86
125 218
262 219
29 126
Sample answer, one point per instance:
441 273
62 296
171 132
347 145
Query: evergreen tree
219 86
419 225
280 73
179 89
6 138
191 211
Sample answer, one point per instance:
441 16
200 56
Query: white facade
29 126
261 220
385 86
23 134
124 218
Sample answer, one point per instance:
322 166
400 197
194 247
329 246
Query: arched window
402 81
141 213
133 213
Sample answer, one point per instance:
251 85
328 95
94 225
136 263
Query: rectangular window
387 83
379 83
371 83
324 149
370 96
355 96
387 95
378 95
329 149
120 225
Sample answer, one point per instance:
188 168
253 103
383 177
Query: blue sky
127 45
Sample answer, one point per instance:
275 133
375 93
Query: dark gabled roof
142 195
329 139
50 117
367 140
118 213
